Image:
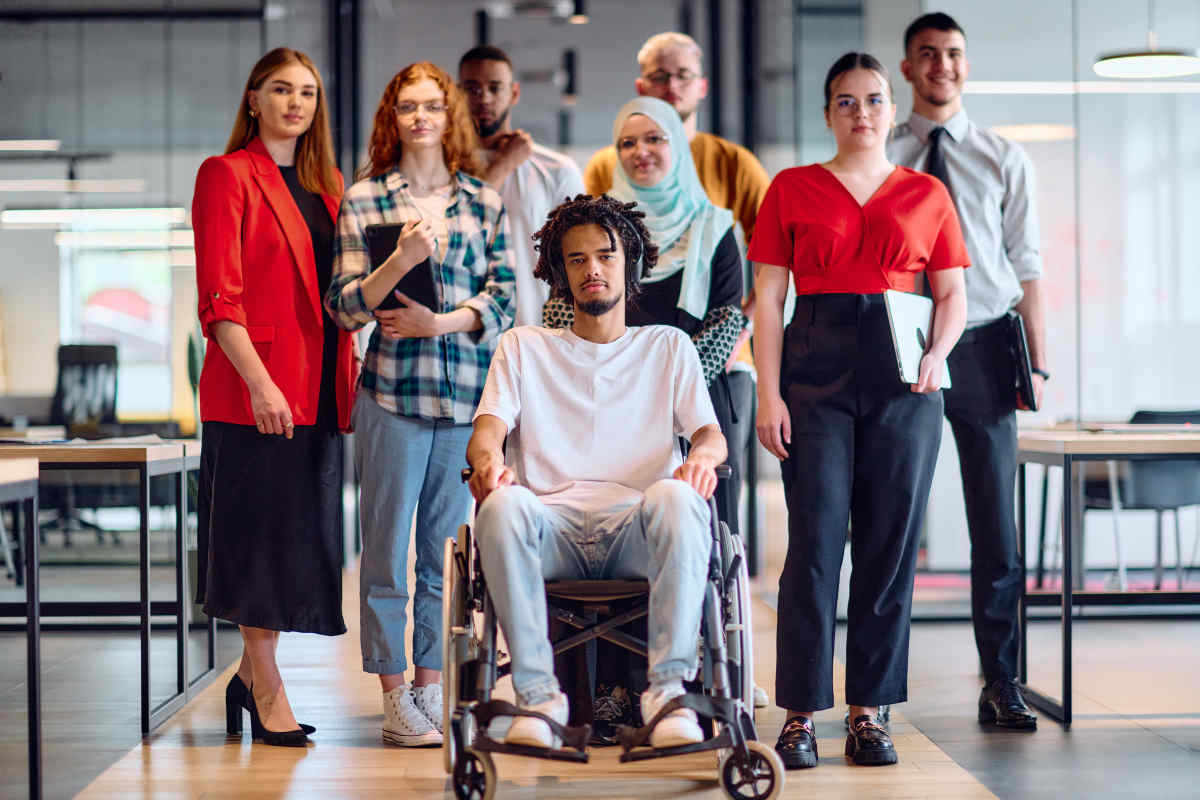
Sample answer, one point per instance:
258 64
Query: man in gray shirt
992 183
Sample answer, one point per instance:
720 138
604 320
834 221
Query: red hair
459 143
314 148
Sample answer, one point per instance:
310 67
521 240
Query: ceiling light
125 240
1082 87
1151 62
37 145
1036 132
103 218
67 186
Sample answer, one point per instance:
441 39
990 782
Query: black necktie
936 164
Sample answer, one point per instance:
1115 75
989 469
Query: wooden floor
190 757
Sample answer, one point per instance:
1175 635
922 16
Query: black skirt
270 518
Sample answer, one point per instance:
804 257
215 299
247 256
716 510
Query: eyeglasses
648 139
849 106
432 107
662 77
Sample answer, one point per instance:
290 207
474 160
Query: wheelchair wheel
454 614
757 776
475 776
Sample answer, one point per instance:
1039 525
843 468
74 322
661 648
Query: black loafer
868 744
1001 703
883 716
797 745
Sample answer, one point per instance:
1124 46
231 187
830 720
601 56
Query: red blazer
255 267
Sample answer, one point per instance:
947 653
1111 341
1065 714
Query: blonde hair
314 148
670 40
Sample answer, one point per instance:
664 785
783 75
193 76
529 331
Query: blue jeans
664 538
405 463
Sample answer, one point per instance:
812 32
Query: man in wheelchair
591 482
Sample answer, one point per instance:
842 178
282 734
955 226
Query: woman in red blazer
277 387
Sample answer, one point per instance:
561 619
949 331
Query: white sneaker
680 727
760 697
534 732
403 723
428 700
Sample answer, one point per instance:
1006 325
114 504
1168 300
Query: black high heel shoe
294 738
238 697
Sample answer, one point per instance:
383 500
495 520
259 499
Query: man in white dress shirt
992 183
531 179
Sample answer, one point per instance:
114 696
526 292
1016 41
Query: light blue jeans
664 538
405 463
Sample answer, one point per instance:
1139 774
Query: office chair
85 396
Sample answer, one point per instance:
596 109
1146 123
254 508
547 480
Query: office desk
18 484
148 460
1070 449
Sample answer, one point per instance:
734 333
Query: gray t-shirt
993 186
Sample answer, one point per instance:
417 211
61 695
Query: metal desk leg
1059 709
144 588
182 606
1022 531
33 654
1041 554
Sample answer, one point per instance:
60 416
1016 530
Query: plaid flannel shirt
439 377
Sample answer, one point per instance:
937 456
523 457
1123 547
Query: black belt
997 327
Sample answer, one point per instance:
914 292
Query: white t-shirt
530 193
594 425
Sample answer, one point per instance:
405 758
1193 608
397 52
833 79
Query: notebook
417 283
910 318
1018 345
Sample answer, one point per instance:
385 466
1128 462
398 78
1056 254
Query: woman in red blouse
856 444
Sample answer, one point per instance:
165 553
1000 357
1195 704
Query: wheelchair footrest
564 754
723 739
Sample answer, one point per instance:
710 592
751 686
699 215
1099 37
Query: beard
598 307
487 131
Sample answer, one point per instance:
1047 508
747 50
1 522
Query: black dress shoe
883 716
1001 703
237 697
797 745
868 744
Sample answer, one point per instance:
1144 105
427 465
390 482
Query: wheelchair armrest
724 471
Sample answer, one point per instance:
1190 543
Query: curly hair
613 216
460 144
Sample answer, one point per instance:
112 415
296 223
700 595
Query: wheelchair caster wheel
758 776
475 776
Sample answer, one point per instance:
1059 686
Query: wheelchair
747 768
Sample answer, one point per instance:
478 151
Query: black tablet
1018 345
417 283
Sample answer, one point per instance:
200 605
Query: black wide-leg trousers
862 453
981 409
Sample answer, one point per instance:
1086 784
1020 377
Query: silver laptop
910 317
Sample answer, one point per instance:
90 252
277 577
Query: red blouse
811 224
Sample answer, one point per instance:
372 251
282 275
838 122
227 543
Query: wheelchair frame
747 768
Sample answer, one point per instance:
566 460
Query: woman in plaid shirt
424 369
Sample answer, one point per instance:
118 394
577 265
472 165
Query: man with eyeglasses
992 183
530 178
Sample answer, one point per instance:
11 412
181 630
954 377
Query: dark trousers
732 395
981 409
863 451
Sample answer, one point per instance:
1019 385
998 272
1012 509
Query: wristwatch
1045 375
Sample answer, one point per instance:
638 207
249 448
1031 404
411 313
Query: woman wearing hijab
695 286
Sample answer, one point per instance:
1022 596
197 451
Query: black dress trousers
981 409
862 453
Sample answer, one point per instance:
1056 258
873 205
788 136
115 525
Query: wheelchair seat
598 590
